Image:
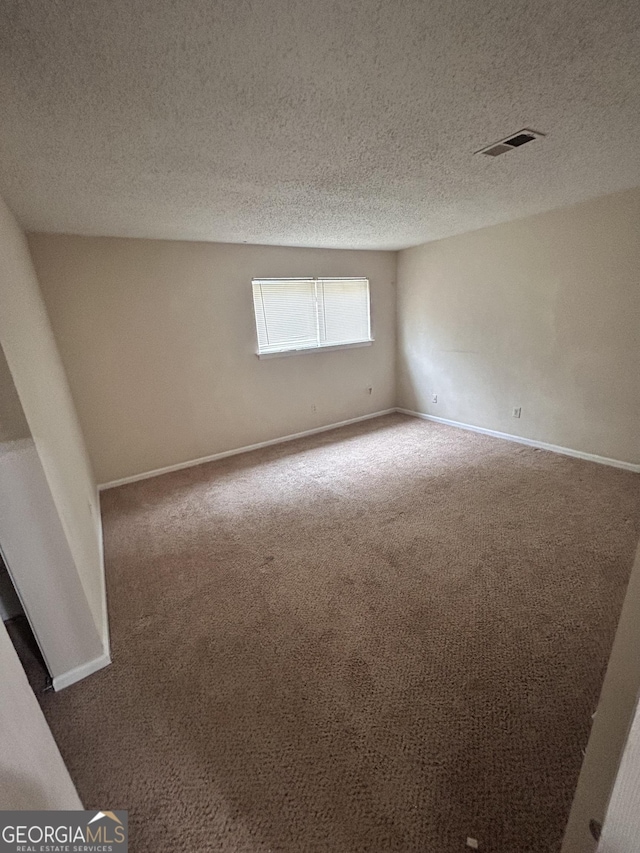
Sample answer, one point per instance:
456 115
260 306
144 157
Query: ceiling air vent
495 150
511 142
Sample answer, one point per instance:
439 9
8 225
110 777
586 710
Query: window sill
285 352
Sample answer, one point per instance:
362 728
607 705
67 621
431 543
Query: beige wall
614 714
158 341
542 313
36 547
31 353
41 565
622 823
32 773
13 424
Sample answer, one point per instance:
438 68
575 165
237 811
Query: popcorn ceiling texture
306 123
390 637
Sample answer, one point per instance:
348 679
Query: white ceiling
342 123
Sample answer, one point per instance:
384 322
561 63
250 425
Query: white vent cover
522 137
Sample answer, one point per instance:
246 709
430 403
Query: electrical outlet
314 408
370 389
434 398
516 412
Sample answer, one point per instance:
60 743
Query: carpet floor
388 637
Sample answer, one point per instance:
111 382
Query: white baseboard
146 475
80 672
530 442
105 633
565 451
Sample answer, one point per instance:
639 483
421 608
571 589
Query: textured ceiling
346 123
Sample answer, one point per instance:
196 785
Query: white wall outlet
516 412
434 398
314 408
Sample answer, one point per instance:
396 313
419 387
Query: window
310 313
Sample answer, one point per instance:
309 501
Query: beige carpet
384 638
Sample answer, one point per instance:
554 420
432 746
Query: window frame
329 347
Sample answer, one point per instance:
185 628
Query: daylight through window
310 313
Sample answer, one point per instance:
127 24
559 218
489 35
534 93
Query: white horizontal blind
286 316
343 310
307 313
